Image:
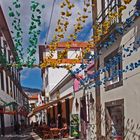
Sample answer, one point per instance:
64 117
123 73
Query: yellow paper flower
68 14
127 1
121 8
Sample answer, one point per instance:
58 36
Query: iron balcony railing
104 16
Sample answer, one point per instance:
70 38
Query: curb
35 136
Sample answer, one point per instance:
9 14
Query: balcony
109 14
107 21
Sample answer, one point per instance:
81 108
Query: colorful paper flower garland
34 32
129 52
18 32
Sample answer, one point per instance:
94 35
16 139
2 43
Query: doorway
114 118
2 125
83 116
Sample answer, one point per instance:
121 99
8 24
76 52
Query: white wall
130 89
55 76
4 96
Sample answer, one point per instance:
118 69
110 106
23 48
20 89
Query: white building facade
117 97
12 97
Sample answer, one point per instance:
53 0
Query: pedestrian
17 127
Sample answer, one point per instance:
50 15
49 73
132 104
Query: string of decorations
119 30
113 37
132 66
98 32
111 64
95 41
34 31
63 27
17 33
60 30
101 29
128 52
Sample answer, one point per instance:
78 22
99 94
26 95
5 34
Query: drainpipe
97 89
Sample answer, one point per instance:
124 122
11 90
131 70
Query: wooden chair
47 134
55 133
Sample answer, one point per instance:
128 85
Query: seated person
52 124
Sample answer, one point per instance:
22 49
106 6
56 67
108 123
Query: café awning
45 106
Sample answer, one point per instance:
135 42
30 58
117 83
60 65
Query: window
87 55
11 88
59 53
138 5
113 74
5 46
2 81
7 85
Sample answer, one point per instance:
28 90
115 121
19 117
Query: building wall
13 91
130 89
56 75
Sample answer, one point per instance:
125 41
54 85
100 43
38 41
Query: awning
8 112
11 103
45 106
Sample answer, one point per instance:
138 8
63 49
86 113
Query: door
2 125
83 116
115 120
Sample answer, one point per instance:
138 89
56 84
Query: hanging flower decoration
61 27
129 51
14 14
127 1
78 26
34 31
99 29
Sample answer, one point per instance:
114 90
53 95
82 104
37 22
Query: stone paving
23 136
27 135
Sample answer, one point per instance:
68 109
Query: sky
32 77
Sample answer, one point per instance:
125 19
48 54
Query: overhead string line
50 20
